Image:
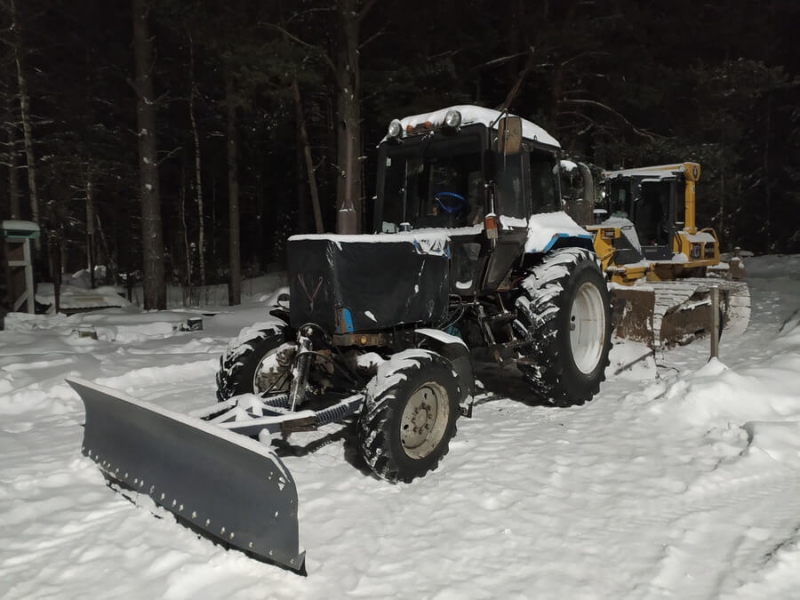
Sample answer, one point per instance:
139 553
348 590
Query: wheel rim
269 375
587 328
424 420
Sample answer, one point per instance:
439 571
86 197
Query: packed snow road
680 480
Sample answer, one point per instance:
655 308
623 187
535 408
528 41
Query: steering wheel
450 202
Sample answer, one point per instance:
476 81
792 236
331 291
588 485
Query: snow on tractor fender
455 350
231 487
548 229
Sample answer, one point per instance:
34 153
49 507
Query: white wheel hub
587 328
424 420
270 374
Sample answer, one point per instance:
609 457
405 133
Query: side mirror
509 135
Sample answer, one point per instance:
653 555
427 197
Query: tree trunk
54 251
767 182
198 198
265 240
312 177
13 175
155 292
234 246
186 244
303 218
349 113
214 225
111 262
25 112
90 233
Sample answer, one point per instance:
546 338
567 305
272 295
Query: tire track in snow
726 527
146 377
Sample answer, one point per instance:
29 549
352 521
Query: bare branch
584 55
501 60
132 83
587 118
170 154
140 96
365 9
372 38
517 87
584 102
305 44
303 13
445 54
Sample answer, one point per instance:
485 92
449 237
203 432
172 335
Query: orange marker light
491 226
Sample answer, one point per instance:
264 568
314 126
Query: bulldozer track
671 297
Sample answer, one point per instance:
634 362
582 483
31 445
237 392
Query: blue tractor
471 259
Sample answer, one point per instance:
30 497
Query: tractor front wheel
258 361
409 415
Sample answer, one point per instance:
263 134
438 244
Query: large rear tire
564 310
251 363
409 415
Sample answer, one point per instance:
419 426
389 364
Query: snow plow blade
231 487
668 313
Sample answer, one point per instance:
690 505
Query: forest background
185 140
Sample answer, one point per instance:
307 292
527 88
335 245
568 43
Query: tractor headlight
452 118
395 129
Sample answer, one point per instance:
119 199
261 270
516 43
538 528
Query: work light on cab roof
452 119
451 122
395 129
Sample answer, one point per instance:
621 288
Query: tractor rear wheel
564 310
409 415
252 363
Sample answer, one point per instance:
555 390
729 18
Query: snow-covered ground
680 480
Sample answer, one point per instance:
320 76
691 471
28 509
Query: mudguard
232 487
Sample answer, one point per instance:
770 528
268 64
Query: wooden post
715 322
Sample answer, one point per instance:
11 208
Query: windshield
618 198
434 181
437 181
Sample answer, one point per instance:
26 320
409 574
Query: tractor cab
477 175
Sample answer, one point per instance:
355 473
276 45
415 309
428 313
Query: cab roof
471 115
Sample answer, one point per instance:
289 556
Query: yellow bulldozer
661 266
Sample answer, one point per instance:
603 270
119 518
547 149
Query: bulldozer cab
652 205
659 203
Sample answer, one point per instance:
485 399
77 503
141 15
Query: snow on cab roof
486 116
655 172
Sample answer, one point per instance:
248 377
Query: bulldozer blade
229 486
668 313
